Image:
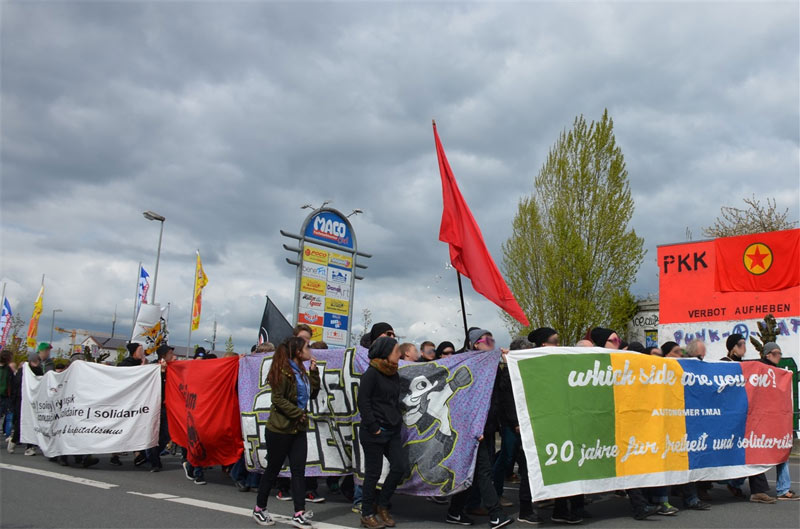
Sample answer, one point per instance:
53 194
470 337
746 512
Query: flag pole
191 311
3 298
463 310
136 298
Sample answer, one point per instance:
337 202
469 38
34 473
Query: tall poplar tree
572 257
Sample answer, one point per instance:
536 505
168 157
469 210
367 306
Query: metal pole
191 310
114 321
158 258
214 336
52 326
463 310
3 296
136 299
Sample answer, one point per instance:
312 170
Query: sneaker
647 511
186 471
299 520
262 517
531 519
699 506
242 486
356 508
283 496
501 521
438 500
139 460
155 469
762 498
199 481
30 451
10 445
668 510
115 461
459 519
504 502
570 518
313 498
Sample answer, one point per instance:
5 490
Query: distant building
101 343
644 325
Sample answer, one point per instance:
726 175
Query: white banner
91 409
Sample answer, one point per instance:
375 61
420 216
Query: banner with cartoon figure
445 406
593 420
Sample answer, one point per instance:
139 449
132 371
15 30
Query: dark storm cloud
227 117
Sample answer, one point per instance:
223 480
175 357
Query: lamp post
53 324
152 215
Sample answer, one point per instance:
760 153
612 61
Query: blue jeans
7 411
657 495
240 474
784 480
358 493
505 458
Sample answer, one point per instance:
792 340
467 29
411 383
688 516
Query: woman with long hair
292 389
381 418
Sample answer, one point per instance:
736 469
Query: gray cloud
226 118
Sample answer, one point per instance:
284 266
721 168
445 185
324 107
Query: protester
671 350
696 349
481 340
544 336
427 351
409 352
135 358
35 364
609 339
736 345
379 329
636 347
771 355
165 356
292 389
445 349
85 460
381 421
44 350
656 351
265 347
6 381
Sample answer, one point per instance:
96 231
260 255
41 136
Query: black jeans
387 443
525 498
638 501
279 447
570 504
163 439
483 482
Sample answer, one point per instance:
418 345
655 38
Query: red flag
761 262
468 252
203 410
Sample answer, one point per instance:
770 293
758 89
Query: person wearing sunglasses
445 349
481 340
737 347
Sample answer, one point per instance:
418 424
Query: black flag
274 327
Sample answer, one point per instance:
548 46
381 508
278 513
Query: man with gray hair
696 349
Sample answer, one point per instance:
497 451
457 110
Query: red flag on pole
468 252
203 410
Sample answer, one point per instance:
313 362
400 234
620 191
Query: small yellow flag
200 281
33 327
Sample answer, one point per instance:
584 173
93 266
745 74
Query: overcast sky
227 117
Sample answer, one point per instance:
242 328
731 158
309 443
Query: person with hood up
381 421
35 363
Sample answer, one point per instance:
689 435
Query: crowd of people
293 386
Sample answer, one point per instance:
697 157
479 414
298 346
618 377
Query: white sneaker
30 451
11 445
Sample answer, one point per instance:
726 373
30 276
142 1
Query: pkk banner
202 410
593 420
91 409
446 403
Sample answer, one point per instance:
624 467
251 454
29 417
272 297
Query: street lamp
152 215
53 324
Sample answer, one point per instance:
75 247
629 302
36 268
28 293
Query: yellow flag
33 327
200 281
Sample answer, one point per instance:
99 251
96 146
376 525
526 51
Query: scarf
384 366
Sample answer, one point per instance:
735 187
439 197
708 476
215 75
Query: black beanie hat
378 329
442 346
200 352
732 340
600 336
539 336
666 347
132 347
163 349
382 347
636 347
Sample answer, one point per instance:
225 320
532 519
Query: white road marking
56 475
231 509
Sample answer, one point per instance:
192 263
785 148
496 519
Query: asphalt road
38 493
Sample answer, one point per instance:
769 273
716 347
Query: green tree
755 218
229 345
571 258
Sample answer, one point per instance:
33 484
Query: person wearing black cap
636 347
605 338
166 355
445 349
671 350
544 336
737 347
381 418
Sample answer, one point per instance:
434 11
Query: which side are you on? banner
593 420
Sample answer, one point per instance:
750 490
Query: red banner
203 410
762 262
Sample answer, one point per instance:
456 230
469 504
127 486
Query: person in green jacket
292 389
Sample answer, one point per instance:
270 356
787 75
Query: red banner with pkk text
203 410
